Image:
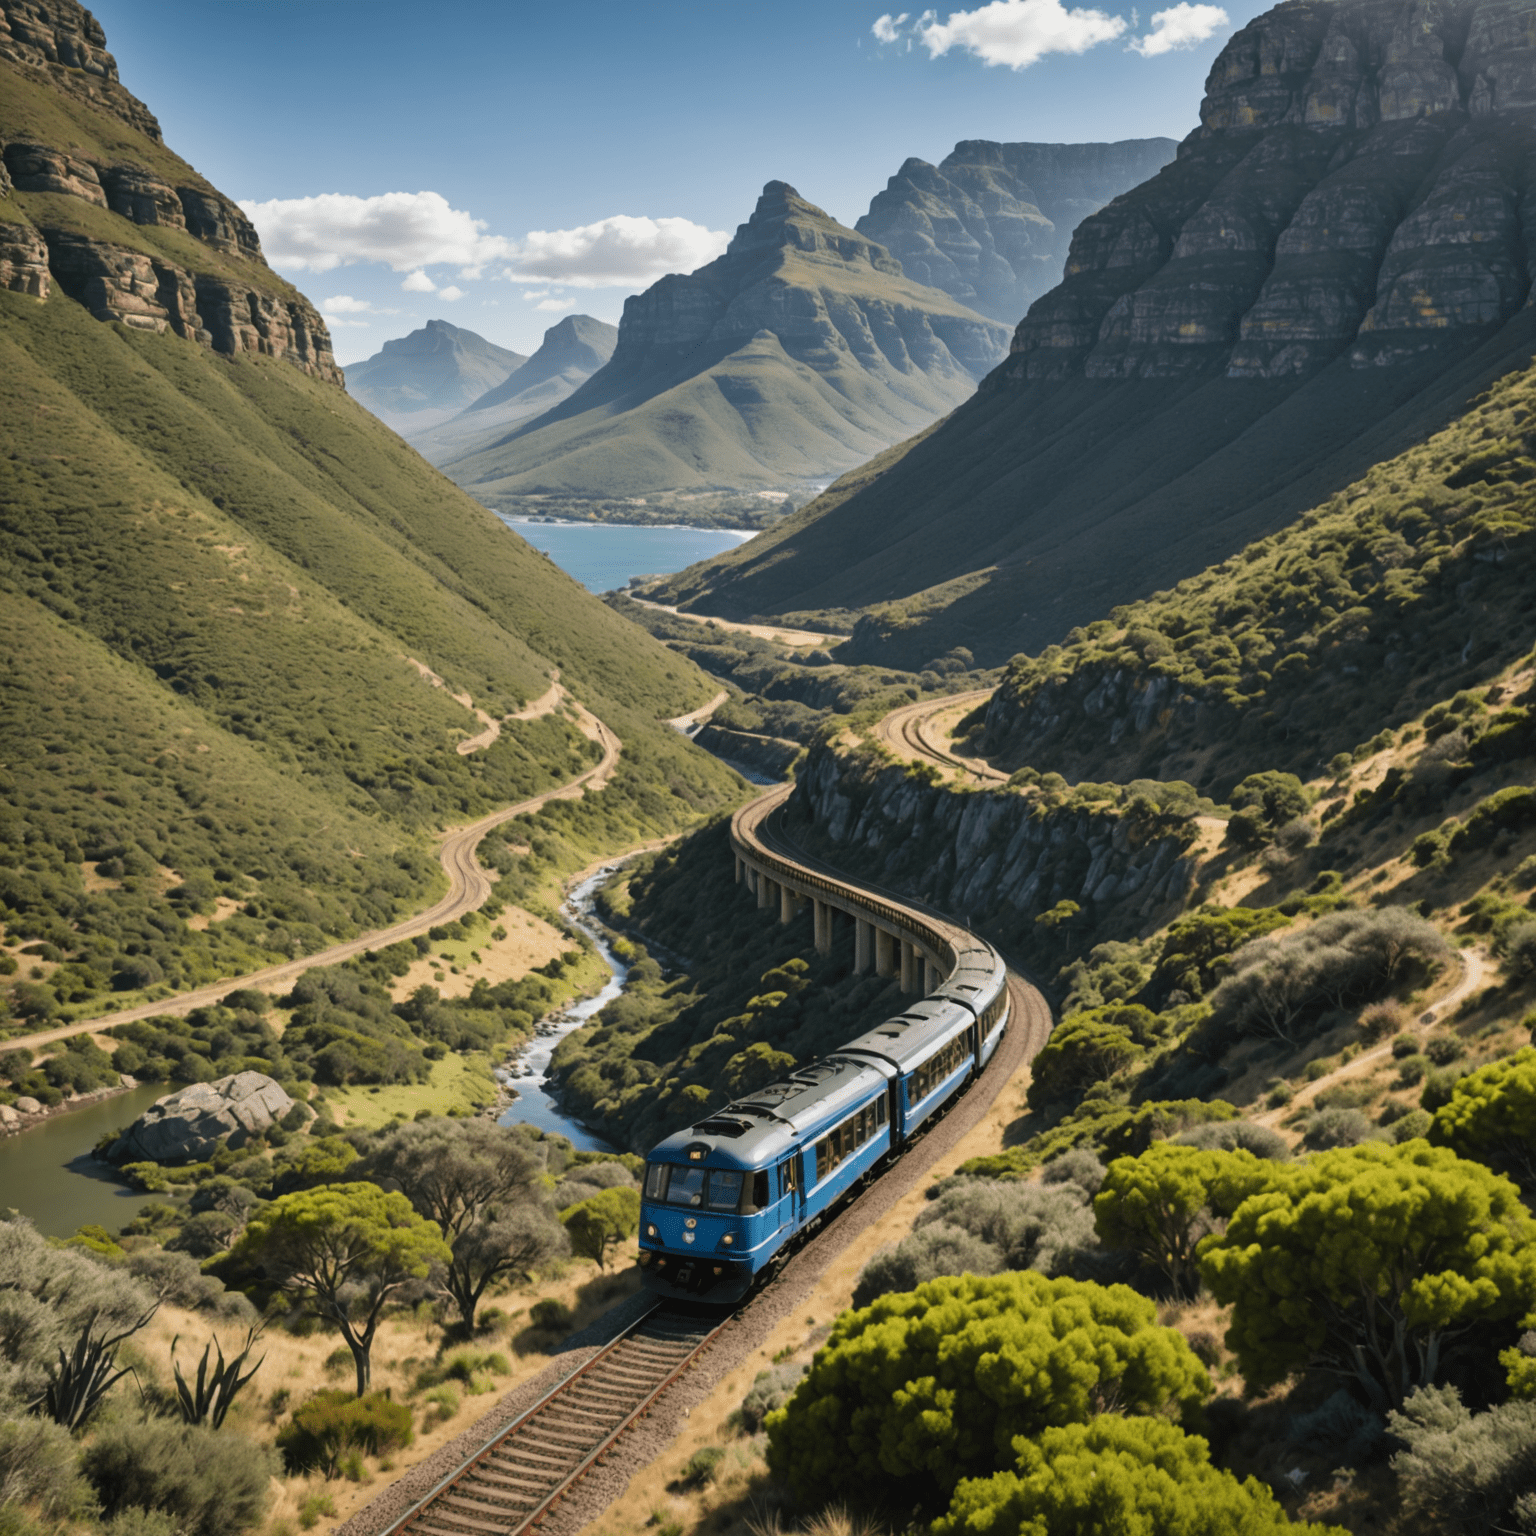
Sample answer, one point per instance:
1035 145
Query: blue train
724 1199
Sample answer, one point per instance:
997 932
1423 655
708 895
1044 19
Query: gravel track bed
1026 1033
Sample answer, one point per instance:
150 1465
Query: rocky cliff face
794 356
991 223
998 857
100 258
1335 264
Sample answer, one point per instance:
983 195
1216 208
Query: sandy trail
542 705
468 887
699 715
797 638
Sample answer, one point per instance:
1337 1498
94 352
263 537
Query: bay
603 556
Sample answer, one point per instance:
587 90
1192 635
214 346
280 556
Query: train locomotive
724 1200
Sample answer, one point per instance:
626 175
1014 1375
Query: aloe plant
215 1391
77 1384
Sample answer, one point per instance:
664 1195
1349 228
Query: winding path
911 734
796 639
468 887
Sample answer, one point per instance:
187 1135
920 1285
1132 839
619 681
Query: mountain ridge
416 381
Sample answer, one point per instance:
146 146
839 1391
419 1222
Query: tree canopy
1370 1261
601 1222
1491 1116
347 1248
1136 1475
922 1388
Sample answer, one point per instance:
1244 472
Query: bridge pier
739 868
931 977
787 904
908 967
885 953
764 890
863 946
822 917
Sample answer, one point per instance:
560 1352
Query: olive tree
346 1249
482 1188
924 1387
1370 1262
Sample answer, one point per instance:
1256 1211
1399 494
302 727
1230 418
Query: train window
685 1187
655 1181
938 1067
843 1140
724 1189
789 1174
759 1191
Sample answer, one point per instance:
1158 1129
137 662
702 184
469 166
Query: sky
501 163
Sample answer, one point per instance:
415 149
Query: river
534 1105
603 556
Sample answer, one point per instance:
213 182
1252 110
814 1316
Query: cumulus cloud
621 251
451 292
1018 33
419 282
1181 26
554 305
887 28
345 304
403 230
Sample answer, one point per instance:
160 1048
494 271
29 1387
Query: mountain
1334 265
570 354
792 357
220 582
991 223
419 380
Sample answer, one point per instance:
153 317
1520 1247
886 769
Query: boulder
27 1105
188 1125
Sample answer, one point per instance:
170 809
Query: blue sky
633 136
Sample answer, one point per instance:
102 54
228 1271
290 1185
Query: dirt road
797 638
468 887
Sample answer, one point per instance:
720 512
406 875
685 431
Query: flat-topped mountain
991 223
1336 262
571 352
417 381
789 359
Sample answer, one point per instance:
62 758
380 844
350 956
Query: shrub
1238 1136
1031 1226
1405 1045
37 1467
211 1483
1347 1095
1382 1018
770 1389
1467 1473
1414 1124
332 1422
1444 1049
938 1249
974 1362
1336 1128
701 1465
1490 1114
1411 1070
551 1315
1076 1166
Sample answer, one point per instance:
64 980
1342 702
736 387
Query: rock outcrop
794 356
189 1125
991 223
57 44
1335 264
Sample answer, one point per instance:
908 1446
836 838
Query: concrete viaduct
887 934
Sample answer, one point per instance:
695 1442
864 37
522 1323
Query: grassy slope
213 570
740 415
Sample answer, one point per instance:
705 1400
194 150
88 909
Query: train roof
772 1120
912 1036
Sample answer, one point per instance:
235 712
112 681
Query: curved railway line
568 1455
909 732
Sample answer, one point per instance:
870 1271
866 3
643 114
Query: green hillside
218 574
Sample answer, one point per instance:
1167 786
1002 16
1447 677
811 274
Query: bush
939 1249
1337 1128
1405 1045
1077 1166
1444 1049
1414 1124
551 1315
973 1362
211 1483
701 1465
1384 1018
770 1389
1031 1226
1490 1115
37 1467
1238 1136
332 1423
1467 1473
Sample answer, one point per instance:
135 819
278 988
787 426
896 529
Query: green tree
1113 1474
924 1387
601 1222
1280 797
482 1188
346 1248
1087 1047
1196 946
1370 1262
1161 1204
1492 1116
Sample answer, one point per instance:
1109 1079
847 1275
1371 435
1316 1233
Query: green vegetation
1491 1116
598 1224
331 1423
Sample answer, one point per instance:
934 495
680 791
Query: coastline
30 1122
567 522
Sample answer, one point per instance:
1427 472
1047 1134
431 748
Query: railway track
909 732
524 1471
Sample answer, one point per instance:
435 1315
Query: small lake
534 1105
48 1173
603 556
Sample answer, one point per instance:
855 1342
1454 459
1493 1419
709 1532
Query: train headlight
727 1240
650 1231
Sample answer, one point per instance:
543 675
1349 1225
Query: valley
1000 1000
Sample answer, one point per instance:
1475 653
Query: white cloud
450 293
1019 33
403 230
338 322
621 251
554 305
419 282
887 28
1181 26
345 304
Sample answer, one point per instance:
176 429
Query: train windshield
717 1188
